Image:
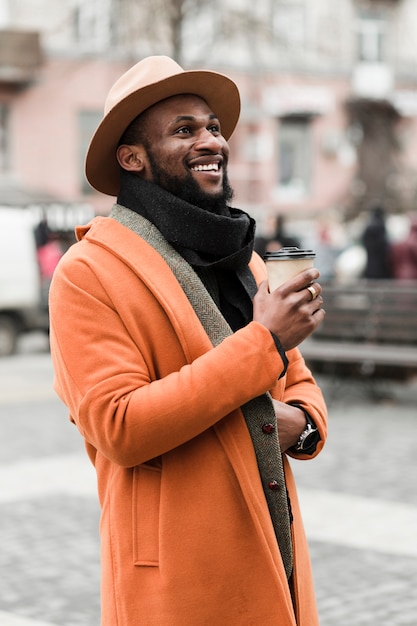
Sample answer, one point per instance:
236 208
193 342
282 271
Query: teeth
206 168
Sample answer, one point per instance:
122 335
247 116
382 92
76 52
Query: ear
131 158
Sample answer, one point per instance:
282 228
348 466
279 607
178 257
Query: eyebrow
191 118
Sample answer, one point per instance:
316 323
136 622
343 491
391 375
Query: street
359 501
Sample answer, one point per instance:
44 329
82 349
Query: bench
370 329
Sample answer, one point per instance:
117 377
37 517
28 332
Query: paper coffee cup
287 263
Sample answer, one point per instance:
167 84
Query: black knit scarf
217 246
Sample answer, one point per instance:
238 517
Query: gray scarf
257 412
218 245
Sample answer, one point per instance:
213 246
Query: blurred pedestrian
49 255
279 238
180 369
377 246
42 232
404 254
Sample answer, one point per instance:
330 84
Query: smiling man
184 154
181 370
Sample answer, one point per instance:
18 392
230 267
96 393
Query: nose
207 141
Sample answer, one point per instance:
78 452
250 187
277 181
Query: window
4 139
92 28
5 13
88 122
294 156
289 25
198 30
371 28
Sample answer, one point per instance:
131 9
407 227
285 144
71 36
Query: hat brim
221 94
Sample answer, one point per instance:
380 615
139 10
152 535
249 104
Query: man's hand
289 311
291 423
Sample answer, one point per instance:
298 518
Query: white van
23 306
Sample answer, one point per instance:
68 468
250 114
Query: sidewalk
359 502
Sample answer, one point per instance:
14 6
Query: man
180 368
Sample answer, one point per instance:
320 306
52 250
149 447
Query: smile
210 167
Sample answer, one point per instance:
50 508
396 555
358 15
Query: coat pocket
146 505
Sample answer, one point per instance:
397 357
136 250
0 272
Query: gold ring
313 292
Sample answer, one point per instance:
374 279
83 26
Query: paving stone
50 564
49 560
363 587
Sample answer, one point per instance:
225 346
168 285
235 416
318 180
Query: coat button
274 485
268 428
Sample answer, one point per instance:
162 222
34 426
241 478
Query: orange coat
185 530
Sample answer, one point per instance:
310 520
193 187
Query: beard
187 189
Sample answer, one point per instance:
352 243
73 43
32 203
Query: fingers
313 291
302 285
299 282
292 311
315 301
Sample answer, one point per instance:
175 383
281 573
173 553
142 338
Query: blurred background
324 157
327 136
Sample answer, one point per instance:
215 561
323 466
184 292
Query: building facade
329 99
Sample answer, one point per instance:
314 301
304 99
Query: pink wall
45 123
46 137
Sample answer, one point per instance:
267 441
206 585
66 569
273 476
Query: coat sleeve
131 387
299 385
301 388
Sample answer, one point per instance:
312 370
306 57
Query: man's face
186 153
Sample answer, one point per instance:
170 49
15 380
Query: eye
183 130
214 128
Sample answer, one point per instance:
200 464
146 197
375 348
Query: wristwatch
306 438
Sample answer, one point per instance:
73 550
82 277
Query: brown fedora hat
151 80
